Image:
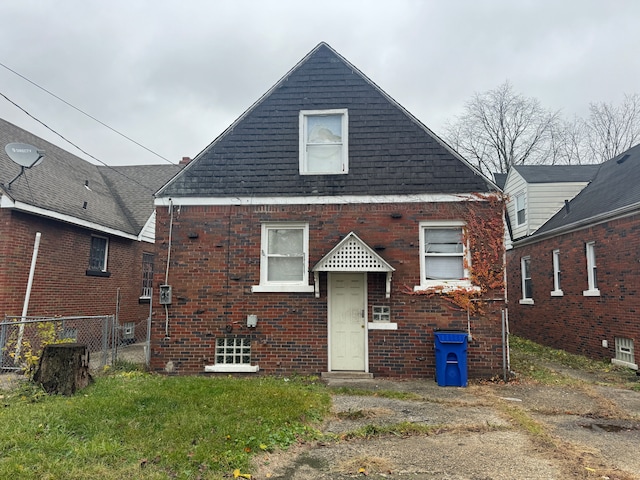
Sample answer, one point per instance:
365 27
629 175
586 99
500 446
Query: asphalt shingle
390 152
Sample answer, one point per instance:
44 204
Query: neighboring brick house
301 238
575 283
97 233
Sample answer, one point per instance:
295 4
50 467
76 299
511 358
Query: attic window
324 142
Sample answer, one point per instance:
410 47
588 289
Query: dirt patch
580 431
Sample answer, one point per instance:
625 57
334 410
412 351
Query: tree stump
63 368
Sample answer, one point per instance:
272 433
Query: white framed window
557 289
232 354
98 254
443 253
521 212
527 285
624 353
592 271
284 258
324 146
147 275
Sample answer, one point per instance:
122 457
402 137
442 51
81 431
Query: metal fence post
105 336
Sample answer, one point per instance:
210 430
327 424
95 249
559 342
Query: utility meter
165 294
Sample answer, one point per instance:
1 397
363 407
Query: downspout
25 307
505 315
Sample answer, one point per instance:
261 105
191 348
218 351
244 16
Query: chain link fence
22 340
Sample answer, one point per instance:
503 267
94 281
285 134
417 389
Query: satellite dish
26 156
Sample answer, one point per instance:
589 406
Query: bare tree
610 129
500 128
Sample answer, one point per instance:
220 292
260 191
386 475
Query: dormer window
323 142
521 213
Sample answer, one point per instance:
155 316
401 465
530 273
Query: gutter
9 203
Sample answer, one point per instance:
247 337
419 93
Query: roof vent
621 160
567 206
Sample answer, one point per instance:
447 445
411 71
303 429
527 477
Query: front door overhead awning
352 255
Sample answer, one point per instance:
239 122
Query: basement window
624 353
233 354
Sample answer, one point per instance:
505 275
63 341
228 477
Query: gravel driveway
490 431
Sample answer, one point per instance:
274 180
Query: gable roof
615 190
390 151
351 254
133 187
556 173
60 185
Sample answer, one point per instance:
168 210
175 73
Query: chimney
185 160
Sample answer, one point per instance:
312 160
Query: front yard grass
141 426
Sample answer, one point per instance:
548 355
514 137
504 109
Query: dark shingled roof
390 151
500 179
556 173
615 188
57 184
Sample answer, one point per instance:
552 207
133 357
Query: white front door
347 321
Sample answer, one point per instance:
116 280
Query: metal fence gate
22 340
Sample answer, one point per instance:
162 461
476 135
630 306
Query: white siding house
537 192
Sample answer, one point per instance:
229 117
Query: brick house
312 236
574 284
97 233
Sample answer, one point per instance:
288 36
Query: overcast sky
172 75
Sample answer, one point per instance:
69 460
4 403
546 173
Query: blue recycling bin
451 358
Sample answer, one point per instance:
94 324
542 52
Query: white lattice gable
353 255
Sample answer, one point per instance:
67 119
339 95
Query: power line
84 113
76 146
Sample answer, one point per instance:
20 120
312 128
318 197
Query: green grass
134 425
528 359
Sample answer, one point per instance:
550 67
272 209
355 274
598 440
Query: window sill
382 326
557 293
622 363
283 288
591 293
97 273
232 368
440 287
526 301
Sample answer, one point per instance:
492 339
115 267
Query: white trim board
317 200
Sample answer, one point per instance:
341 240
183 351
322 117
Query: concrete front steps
346 375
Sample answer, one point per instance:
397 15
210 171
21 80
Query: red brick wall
212 275
575 322
61 286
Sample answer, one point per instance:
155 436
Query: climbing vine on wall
483 235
